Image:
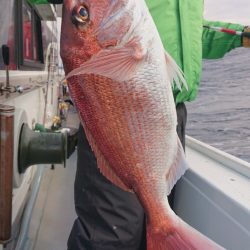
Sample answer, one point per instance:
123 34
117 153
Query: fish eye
81 14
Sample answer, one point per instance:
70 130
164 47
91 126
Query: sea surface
220 116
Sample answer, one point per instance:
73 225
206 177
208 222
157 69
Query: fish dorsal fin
118 63
176 75
177 169
103 165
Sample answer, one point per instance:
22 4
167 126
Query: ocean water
220 116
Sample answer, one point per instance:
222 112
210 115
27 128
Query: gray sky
228 10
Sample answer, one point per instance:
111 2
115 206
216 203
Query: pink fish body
120 79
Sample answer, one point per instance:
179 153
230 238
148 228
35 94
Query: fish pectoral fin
177 169
176 75
119 63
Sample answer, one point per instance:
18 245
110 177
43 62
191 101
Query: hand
246 39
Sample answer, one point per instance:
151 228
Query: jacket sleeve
216 44
38 1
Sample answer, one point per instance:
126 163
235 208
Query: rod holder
6 170
41 148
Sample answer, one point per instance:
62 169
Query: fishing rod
228 31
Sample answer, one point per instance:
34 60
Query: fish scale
112 106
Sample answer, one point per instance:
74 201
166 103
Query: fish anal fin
118 63
103 164
177 169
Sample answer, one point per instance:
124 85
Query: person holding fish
126 89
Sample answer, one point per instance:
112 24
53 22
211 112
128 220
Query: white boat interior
213 196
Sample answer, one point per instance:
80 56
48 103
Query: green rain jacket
180 23
38 1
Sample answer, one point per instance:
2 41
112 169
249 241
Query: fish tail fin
175 234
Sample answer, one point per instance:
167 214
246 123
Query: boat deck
54 212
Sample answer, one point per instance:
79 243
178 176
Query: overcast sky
228 10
